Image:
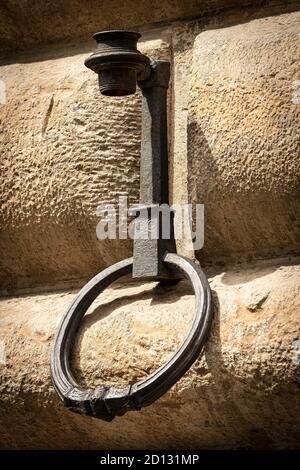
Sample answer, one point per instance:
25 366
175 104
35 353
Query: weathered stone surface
233 139
24 24
65 150
243 137
244 392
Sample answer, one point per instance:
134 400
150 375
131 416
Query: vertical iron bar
148 253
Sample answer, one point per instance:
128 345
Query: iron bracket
120 66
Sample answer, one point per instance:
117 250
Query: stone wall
234 108
243 392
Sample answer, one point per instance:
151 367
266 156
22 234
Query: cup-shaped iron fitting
118 63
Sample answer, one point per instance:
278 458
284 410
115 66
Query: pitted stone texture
243 393
65 150
243 137
234 145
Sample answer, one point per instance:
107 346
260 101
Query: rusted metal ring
108 402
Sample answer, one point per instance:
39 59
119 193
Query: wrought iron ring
108 402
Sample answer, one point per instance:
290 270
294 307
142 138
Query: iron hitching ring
104 402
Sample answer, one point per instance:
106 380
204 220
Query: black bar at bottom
143 458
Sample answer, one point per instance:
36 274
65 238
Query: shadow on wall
235 422
242 220
243 135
